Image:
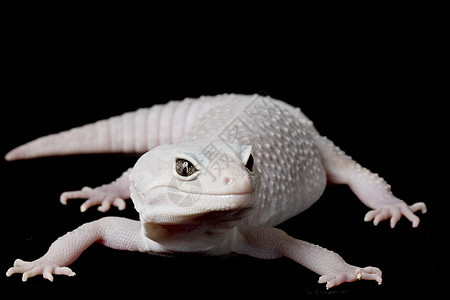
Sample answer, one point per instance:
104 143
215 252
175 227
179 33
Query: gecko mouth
188 206
212 201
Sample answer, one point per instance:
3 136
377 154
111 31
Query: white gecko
220 173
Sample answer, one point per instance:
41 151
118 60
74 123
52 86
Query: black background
370 83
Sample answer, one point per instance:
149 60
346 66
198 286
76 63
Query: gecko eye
185 168
249 164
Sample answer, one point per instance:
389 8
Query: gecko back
292 177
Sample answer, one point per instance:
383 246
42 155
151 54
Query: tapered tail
133 132
112 135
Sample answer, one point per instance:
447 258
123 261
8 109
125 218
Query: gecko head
185 183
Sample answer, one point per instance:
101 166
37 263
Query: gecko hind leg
371 189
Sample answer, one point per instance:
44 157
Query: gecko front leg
114 232
114 193
270 243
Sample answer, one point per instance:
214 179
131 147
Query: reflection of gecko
220 173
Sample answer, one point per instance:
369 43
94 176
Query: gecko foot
37 267
395 211
105 196
350 274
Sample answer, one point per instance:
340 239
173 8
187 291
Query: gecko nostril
226 180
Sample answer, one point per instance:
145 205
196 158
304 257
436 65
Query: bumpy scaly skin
251 163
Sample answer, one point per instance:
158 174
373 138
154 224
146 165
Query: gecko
216 175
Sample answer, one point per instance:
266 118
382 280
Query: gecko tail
120 134
132 132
